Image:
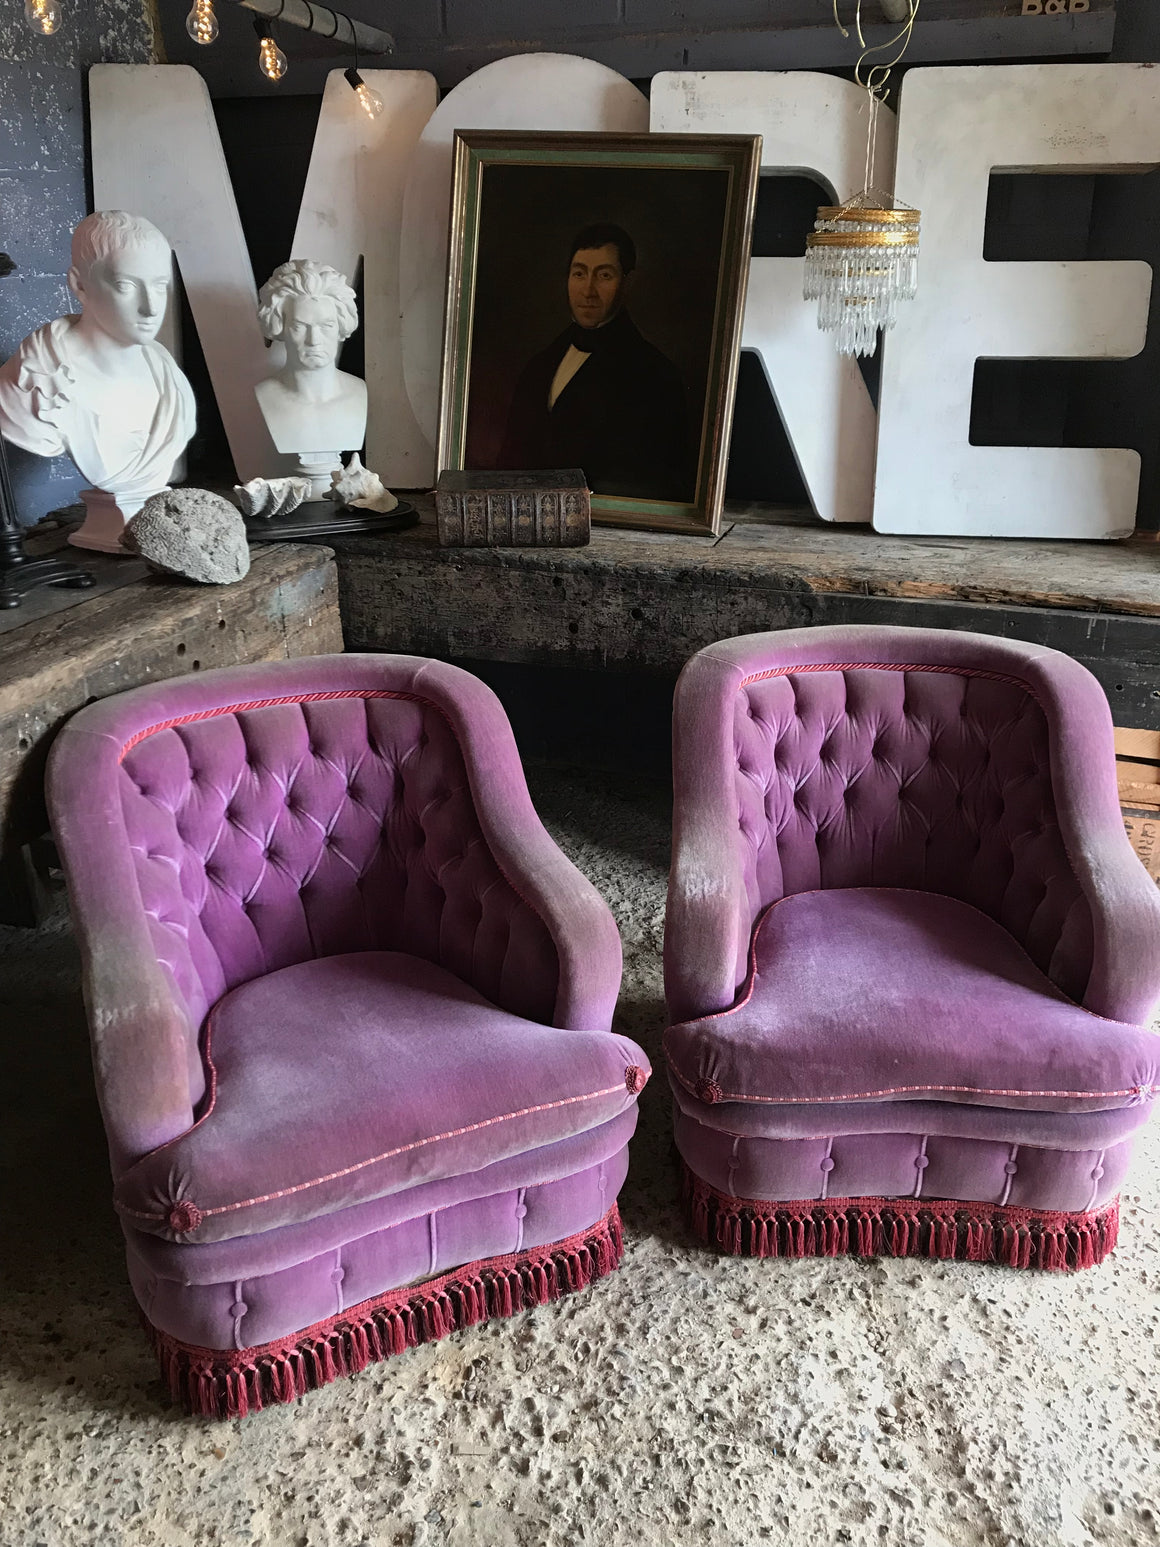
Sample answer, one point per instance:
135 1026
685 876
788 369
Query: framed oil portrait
594 308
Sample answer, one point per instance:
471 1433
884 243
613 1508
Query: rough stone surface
688 1399
192 533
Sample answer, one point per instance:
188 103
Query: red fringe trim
229 1383
900 1227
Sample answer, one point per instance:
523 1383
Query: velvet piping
900 1227
231 1383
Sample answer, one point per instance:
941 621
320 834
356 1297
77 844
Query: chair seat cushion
885 994
353 1077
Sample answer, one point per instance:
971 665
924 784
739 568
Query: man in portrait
601 397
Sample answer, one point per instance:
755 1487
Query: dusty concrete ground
686 1399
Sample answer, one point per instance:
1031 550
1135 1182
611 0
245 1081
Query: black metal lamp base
323 518
20 575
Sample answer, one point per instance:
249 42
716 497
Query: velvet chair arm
577 918
1124 983
140 1029
711 902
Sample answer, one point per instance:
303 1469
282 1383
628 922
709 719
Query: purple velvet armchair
909 952
350 1014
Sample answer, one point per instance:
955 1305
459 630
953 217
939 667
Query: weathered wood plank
795 552
1138 744
147 631
646 602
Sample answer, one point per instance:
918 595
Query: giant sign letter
957 126
156 151
811 126
352 207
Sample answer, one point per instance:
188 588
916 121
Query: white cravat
565 371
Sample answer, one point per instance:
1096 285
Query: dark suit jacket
622 418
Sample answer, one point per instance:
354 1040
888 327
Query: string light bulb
42 16
369 100
201 23
271 60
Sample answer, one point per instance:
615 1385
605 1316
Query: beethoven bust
312 408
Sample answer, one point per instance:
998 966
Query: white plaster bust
312 409
98 387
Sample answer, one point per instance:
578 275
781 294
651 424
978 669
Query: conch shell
359 488
270 497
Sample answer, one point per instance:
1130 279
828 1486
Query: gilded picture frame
620 353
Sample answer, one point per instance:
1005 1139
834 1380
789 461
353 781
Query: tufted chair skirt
350 1014
909 952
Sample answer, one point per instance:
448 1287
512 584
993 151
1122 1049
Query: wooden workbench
67 648
644 602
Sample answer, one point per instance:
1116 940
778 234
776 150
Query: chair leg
900 1227
229 1383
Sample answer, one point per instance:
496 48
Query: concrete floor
689 1398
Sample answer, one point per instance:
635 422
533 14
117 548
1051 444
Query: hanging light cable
862 256
271 60
43 16
202 23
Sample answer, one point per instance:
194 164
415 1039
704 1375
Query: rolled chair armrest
711 902
576 917
1124 983
140 1030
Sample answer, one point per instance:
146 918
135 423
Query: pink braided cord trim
334 1176
942 671
272 703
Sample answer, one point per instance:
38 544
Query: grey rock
192 533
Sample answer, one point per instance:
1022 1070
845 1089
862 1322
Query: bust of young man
98 387
311 408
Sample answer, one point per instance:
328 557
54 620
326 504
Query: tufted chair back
883 757
268 835
232 824
916 776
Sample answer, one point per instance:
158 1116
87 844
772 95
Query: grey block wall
44 184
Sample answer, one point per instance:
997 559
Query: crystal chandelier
862 256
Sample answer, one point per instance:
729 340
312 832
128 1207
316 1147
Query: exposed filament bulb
368 99
271 59
201 23
43 16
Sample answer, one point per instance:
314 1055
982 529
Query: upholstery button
337 1276
1097 1173
184 1217
827 1165
921 1162
521 1211
1010 1168
239 1309
634 1079
709 1092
